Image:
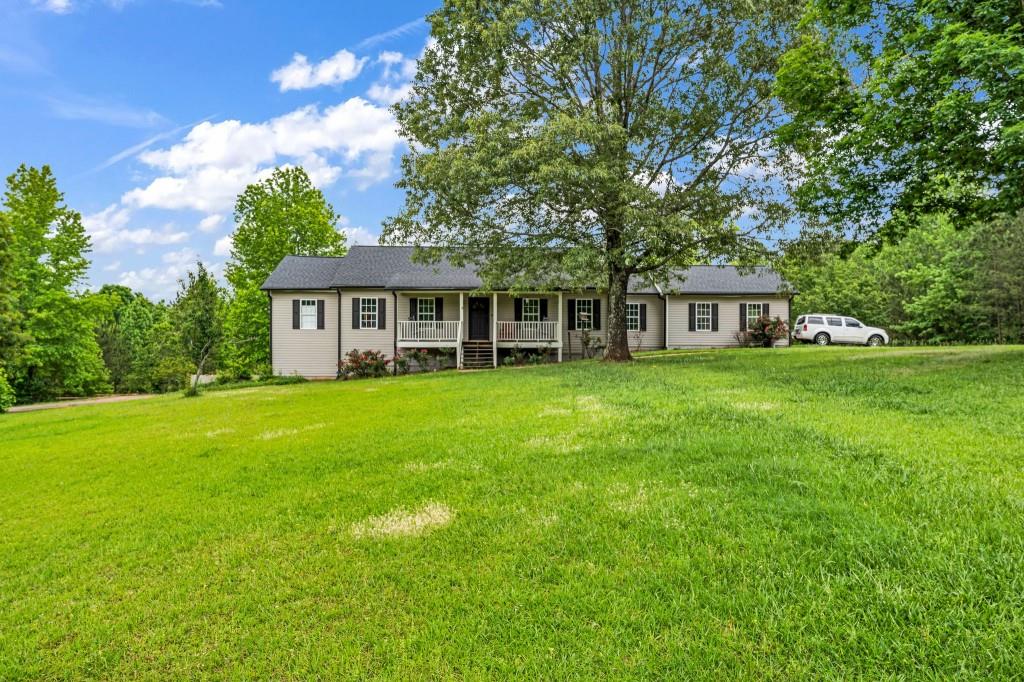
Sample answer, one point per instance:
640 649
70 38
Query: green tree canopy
49 348
580 143
197 314
902 108
280 216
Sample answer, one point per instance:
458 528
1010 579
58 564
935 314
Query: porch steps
477 355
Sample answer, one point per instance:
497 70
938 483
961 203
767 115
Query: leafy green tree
902 108
53 350
581 143
197 315
995 261
280 216
7 397
111 301
938 284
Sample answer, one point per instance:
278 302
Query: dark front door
479 318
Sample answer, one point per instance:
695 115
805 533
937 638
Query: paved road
83 401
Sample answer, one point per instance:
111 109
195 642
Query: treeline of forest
59 339
940 283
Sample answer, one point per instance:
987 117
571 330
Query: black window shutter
543 309
743 317
764 309
597 314
518 304
643 317
439 308
382 313
714 317
693 317
356 303
572 315
321 314
295 313
414 308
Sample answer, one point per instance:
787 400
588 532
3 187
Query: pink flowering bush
765 331
363 363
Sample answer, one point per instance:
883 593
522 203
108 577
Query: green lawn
792 513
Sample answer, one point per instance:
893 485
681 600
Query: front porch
461 320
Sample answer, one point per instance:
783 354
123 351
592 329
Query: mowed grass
801 513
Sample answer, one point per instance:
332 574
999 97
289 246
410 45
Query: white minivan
826 329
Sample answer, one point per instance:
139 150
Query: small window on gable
531 310
753 312
633 317
425 311
584 313
367 313
307 313
703 317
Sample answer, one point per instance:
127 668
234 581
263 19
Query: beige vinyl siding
382 340
450 305
679 335
654 337
311 353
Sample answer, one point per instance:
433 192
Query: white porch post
494 330
560 313
462 321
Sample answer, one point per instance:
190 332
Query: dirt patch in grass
755 406
423 467
402 522
278 433
218 432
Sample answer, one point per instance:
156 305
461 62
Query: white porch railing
447 331
527 331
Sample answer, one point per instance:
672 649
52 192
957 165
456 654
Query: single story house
378 298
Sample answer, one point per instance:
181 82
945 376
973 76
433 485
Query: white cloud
113 266
55 6
182 257
223 246
109 231
395 82
299 74
360 235
211 222
162 281
216 161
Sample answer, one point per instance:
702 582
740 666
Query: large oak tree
581 143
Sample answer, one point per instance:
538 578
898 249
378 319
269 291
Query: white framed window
367 313
753 312
633 317
703 317
307 313
531 310
584 314
425 311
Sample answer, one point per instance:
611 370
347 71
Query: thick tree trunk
617 348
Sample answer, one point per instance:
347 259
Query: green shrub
7 397
361 364
765 331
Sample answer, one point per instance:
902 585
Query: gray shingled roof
303 272
392 267
724 279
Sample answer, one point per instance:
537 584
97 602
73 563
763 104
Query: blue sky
154 114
